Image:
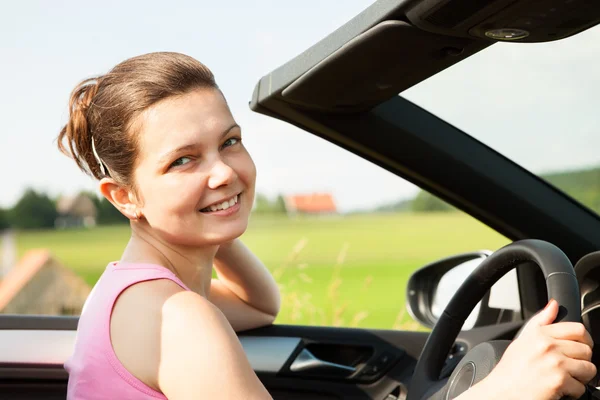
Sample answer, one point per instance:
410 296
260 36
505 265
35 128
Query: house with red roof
315 204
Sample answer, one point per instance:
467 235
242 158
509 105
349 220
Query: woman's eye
180 161
230 142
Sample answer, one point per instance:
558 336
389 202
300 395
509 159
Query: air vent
456 11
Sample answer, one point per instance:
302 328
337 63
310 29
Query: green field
340 271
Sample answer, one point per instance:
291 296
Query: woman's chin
207 234
204 240
217 236
217 239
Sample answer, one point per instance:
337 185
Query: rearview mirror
431 288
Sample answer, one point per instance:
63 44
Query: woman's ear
120 197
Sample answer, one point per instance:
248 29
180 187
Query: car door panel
293 362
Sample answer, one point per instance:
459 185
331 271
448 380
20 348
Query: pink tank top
94 370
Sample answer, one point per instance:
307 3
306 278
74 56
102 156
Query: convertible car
348 89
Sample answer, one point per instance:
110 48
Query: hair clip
100 163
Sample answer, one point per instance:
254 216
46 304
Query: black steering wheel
478 362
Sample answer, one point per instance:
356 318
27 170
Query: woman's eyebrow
170 154
192 146
232 127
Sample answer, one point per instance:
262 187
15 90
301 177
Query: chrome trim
54 347
307 361
36 347
269 354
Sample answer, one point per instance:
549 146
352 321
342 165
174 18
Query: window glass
536 103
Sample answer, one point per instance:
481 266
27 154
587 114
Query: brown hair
105 109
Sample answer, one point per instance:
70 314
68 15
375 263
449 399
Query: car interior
345 89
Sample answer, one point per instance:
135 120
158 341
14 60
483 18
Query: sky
535 103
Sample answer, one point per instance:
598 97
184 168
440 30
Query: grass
336 271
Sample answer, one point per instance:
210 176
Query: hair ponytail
78 132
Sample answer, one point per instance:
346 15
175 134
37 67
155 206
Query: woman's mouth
226 207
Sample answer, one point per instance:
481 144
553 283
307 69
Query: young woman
158 134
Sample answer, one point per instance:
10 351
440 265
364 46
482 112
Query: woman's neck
192 265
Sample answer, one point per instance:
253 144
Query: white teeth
224 205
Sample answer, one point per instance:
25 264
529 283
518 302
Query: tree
279 206
107 213
426 202
33 211
4 220
262 205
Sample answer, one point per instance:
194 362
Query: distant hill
583 185
398 206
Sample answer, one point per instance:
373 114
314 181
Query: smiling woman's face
194 177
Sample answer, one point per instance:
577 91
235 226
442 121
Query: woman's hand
547 362
245 292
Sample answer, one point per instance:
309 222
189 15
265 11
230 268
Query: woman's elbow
269 319
269 316
259 320
271 305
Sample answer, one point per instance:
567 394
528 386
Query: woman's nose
220 174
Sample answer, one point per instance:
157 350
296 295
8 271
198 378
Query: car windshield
537 104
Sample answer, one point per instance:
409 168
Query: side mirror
431 288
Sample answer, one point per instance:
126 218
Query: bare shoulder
135 327
180 344
200 353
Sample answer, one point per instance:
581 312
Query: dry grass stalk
292 256
358 317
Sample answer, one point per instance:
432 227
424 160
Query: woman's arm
200 355
245 291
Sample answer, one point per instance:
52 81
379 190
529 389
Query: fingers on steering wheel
572 387
576 350
582 371
569 331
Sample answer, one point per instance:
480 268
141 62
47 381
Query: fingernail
548 305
